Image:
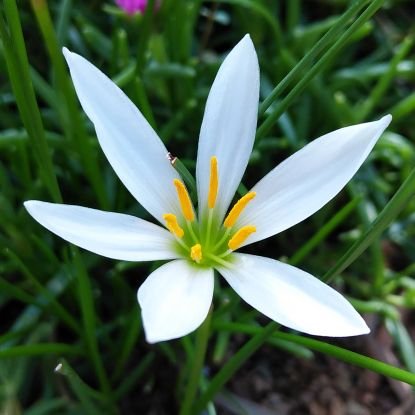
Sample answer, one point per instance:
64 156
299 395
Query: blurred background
67 307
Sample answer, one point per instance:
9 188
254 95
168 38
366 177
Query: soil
276 383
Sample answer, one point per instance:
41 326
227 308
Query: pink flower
132 6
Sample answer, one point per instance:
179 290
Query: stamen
172 225
196 253
221 261
239 206
184 199
240 237
213 183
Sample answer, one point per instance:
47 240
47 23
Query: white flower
175 298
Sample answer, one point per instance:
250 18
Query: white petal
293 297
228 127
132 147
175 300
109 234
310 178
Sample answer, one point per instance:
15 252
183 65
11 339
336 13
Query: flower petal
229 122
113 235
175 300
130 144
310 178
293 297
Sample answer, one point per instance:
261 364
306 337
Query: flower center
207 241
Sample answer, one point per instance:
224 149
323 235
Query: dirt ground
276 383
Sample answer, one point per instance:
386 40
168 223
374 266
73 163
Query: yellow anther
240 237
172 225
196 253
213 183
239 206
184 199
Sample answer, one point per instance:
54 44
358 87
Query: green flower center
208 241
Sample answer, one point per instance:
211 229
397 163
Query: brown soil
276 383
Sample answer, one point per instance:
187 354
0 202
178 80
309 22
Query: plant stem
202 337
326 348
234 363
